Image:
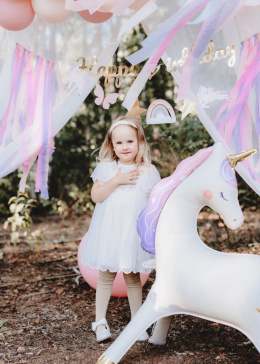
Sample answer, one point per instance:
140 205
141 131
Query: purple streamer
208 30
257 117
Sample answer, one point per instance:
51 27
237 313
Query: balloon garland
17 15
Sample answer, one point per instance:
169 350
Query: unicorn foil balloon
192 278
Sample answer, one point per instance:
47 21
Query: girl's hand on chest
127 178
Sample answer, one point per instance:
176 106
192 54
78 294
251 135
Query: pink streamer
30 104
168 38
39 108
6 114
235 120
208 30
46 132
240 92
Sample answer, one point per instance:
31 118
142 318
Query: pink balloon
97 17
16 14
91 276
51 11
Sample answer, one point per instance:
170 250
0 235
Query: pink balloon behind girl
91 276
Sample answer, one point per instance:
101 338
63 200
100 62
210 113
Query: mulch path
46 307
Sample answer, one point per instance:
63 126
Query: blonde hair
107 154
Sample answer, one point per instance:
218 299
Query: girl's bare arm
99 193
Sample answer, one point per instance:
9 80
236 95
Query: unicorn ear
235 158
217 148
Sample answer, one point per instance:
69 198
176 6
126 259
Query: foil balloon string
29 105
237 120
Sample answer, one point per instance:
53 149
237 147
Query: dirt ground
46 307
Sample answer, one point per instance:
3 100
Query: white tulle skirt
112 241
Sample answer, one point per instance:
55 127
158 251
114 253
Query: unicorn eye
221 195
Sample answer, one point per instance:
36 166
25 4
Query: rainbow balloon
160 112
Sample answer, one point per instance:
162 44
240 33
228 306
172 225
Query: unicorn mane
148 218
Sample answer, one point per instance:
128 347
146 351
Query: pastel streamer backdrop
214 72
214 16
235 117
61 43
30 104
166 39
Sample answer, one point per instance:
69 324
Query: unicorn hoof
104 360
143 337
154 342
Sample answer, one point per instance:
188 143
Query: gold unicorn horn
235 158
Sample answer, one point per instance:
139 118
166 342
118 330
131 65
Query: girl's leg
103 293
134 291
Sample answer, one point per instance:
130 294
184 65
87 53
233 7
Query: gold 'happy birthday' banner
124 71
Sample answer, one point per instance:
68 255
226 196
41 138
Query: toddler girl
122 182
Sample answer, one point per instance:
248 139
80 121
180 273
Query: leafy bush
20 207
8 188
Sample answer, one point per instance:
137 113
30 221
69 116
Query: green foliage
247 197
186 137
34 239
74 161
20 207
8 188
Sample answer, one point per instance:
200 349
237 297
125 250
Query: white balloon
51 11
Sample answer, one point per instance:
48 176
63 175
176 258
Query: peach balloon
97 17
51 11
138 4
16 14
91 276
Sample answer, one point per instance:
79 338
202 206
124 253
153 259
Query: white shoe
143 337
104 334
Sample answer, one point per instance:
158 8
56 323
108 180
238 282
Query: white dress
112 241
